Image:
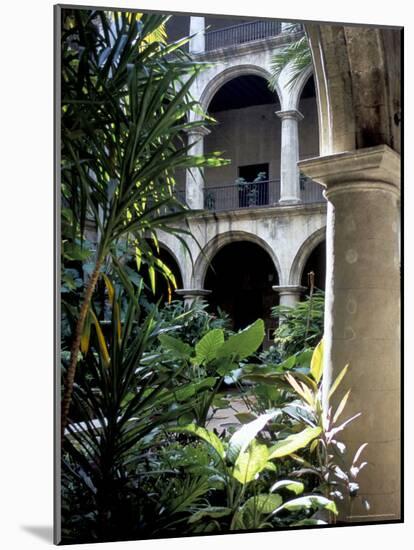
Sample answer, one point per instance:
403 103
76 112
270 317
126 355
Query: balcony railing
240 34
256 195
310 191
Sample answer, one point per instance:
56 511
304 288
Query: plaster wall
245 136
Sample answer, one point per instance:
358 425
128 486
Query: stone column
190 295
289 172
362 314
194 187
197 43
289 295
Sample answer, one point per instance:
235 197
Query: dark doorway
252 171
316 263
240 277
254 185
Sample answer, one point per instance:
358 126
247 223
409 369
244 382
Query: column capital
367 169
192 293
285 290
198 131
290 114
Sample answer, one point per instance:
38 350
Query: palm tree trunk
74 351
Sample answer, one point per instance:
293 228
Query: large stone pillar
190 295
362 314
289 172
194 187
289 295
197 43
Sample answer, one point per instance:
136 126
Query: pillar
289 295
190 295
197 43
194 187
289 172
362 314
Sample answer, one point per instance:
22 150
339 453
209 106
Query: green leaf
316 367
184 393
101 340
73 251
337 381
224 366
294 442
263 504
309 501
212 512
174 344
201 433
250 463
206 349
296 487
219 402
242 438
185 419
151 273
245 342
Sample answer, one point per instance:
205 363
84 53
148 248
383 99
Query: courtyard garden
172 423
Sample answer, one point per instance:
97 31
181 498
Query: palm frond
297 56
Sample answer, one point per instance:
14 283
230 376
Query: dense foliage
301 326
126 108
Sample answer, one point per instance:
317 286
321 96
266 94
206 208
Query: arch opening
316 263
248 133
241 276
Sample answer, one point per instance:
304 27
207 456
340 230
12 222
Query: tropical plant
328 453
300 326
191 323
124 395
267 387
125 109
239 467
296 55
213 357
296 389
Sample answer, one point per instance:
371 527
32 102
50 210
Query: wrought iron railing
310 191
240 34
258 194
242 195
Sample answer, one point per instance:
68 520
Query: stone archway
240 279
228 74
303 254
216 243
292 95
